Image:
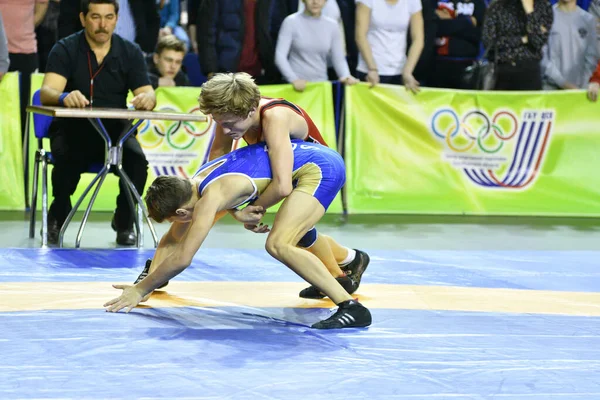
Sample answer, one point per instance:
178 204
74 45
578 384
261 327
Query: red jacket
596 75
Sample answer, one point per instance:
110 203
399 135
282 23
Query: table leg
102 174
32 216
140 203
138 198
44 200
128 191
89 208
115 157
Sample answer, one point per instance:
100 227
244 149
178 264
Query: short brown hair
169 42
166 195
235 94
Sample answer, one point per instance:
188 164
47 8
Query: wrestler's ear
251 113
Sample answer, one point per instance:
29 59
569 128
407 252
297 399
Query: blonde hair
169 42
229 93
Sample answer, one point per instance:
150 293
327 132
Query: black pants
26 64
449 74
520 75
74 152
390 79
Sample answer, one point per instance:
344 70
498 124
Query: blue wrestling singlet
318 170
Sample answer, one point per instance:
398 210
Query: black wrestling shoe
357 267
350 314
145 274
312 292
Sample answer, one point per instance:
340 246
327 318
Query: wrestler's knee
277 246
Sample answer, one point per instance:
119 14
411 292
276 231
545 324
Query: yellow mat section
28 296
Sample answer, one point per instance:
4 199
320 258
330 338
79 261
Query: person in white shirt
306 41
381 29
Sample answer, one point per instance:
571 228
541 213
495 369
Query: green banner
459 152
12 195
181 147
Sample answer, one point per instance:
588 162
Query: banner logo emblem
176 147
503 150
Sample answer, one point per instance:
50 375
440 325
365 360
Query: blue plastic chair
43 157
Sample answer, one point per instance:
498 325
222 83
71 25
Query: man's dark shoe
53 230
357 267
125 237
145 273
312 292
350 314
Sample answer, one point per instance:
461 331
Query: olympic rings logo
475 126
154 133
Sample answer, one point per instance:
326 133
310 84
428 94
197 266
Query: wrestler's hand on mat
410 83
260 228
75 99
130 298
143 101
250 214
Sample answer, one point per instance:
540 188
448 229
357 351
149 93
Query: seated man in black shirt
165 67
94 67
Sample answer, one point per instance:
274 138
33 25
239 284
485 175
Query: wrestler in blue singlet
318 170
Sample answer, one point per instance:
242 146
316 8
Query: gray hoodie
571 54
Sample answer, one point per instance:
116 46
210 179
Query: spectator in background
424 69
165 69
47 33
516 31
348 16
307 40
138 21
169 21
20 18
235 36
594 9
4 59
192 10
381 30
331 10
570 56
594 84
458 41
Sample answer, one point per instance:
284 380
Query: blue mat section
539 270
246 353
